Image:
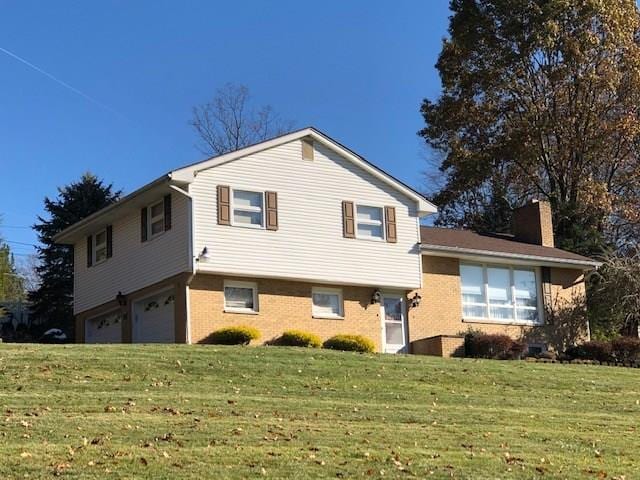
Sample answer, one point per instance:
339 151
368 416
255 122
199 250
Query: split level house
299 232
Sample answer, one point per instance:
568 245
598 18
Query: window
156 219
500 294
536 348
248 209
241 297
100 247
370 223
327 302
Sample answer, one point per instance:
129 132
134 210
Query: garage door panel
104 329
154 319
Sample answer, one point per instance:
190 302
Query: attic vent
307 149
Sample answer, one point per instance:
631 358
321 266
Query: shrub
240 335
297 338
626 349
350 343
594 350
495 346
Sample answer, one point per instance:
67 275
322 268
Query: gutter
516 256
85 221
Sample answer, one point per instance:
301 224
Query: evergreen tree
11 284
51 302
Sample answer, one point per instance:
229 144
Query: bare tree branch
230 121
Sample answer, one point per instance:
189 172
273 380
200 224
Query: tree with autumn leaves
541 99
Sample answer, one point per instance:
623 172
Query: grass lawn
227 412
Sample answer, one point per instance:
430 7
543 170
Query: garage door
104 329
153 319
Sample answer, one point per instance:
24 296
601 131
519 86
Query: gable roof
187 173
184 175
460 242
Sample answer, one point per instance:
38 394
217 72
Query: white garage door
104 329
153 319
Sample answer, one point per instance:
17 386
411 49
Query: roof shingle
451 238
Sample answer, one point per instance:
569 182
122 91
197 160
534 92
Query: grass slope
227 412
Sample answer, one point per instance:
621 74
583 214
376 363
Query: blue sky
357 70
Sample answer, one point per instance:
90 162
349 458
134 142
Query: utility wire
19 243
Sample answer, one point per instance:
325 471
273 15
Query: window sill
151 238
367 239
494 321
328 317
250 227
245 312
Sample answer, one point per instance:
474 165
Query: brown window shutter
348 220
89 251
271 210
143 224
224 205
109 241
546 293
390 224
167 212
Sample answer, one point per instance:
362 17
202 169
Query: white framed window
240 297
247 208
155 214
327 302
369 222
100 247
500 294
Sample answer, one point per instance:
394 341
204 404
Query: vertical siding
308 244
134 264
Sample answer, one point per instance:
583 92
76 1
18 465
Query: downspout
191 260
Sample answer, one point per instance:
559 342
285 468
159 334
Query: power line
14 226
20 243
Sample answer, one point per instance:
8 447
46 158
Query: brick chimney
532 223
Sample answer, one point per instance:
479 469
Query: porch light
376 297
121 299
415 300
204 255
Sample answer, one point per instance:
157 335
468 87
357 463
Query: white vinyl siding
309 244
327 303
500 294
137 264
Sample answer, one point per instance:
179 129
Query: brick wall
440 346
284 305
440 312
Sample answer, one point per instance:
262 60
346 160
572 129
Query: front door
394 324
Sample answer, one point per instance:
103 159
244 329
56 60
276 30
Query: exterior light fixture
415 300
204 255
376 297
121 299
